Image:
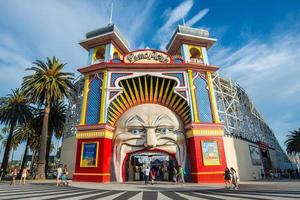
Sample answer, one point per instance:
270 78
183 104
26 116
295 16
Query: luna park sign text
147 56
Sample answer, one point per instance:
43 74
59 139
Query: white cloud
197 17
51 28
134 23
177 14
173 16
268 68
12 70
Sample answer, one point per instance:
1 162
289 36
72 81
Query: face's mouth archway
148 128
143 158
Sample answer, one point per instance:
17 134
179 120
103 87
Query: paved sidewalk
169 186
47 190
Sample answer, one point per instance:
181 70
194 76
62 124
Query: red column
100 173
200 172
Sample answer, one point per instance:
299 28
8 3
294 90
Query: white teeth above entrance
149 153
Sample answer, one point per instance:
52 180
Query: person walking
59 174
14 173
234 179
64 178
175 175
181 174
1 173
227 178
262 174
24 175
152 175
267 174
146 174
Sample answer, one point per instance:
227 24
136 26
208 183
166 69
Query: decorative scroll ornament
147 56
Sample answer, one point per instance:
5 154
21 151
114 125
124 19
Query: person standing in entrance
234 179
59 174
175 175
64 177
227 178
146 174
181 174
152 175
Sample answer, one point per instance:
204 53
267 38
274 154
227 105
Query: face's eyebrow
163 120
134 120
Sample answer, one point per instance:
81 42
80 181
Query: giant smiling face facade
148 127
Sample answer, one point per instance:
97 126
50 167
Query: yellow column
212 98
194 102
103 98
84 102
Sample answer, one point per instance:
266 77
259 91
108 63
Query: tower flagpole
183 21
111 12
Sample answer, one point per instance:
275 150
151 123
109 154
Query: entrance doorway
161 162
266 161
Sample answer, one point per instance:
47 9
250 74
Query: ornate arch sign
147 56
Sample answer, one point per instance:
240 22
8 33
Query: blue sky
258 41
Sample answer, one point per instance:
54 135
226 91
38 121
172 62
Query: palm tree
14 110
57 118
3 137
293 142
47 84
26 133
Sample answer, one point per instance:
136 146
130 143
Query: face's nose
151 139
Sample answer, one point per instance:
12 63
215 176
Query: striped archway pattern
148 89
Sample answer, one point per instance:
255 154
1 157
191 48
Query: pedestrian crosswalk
51 192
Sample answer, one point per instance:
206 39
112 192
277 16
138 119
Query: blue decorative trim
115 76
112 94
182 93
203 102
179 76
94 100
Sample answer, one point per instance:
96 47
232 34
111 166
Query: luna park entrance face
161 163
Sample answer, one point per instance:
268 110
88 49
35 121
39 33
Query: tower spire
182 16
111 12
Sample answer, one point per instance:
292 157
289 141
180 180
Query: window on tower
177 58
195 56
99 55
116 57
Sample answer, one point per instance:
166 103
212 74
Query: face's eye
163 130
136 131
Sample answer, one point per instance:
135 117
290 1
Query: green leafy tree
29 134
14 109
47 84
293 142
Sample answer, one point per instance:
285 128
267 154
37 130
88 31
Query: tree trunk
7 149
12 156
48 153
25 156
32 159
43 146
